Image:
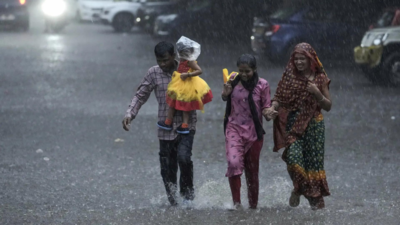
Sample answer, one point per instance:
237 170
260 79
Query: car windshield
284 13
198 5
386 19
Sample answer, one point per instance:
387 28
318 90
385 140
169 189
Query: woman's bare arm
324 98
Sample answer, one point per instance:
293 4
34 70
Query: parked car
124 14
209 19
89 10
332 32
389 17
148 12
14 14
379 55
121 15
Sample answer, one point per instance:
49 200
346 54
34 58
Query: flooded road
65 158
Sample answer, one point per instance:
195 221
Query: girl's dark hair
181 46
163 48
186 50
247 59
249 85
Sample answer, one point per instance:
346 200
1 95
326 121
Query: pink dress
240 132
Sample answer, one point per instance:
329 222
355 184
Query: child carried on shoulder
186 91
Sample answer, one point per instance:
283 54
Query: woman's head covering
307 50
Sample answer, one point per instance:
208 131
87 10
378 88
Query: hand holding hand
270 113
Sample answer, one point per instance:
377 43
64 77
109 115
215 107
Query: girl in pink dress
247 95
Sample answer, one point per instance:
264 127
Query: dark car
389 17
148 12
210 19
14 14
333 32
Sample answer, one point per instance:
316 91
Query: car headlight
379 39
54 8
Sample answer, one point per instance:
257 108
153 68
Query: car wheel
391 69
123 22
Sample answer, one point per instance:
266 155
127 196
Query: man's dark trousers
173 154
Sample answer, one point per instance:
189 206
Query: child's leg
170 115
167 124
186 115
184 128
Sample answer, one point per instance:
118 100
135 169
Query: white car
121 15
89 10
379 55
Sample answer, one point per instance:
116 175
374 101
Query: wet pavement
65 158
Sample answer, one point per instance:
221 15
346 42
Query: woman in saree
302 93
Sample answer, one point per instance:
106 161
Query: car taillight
22 2
275 28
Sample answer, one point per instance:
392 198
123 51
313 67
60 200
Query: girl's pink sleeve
265 96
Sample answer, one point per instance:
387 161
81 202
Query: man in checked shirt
175 149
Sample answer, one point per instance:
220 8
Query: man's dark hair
163 48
